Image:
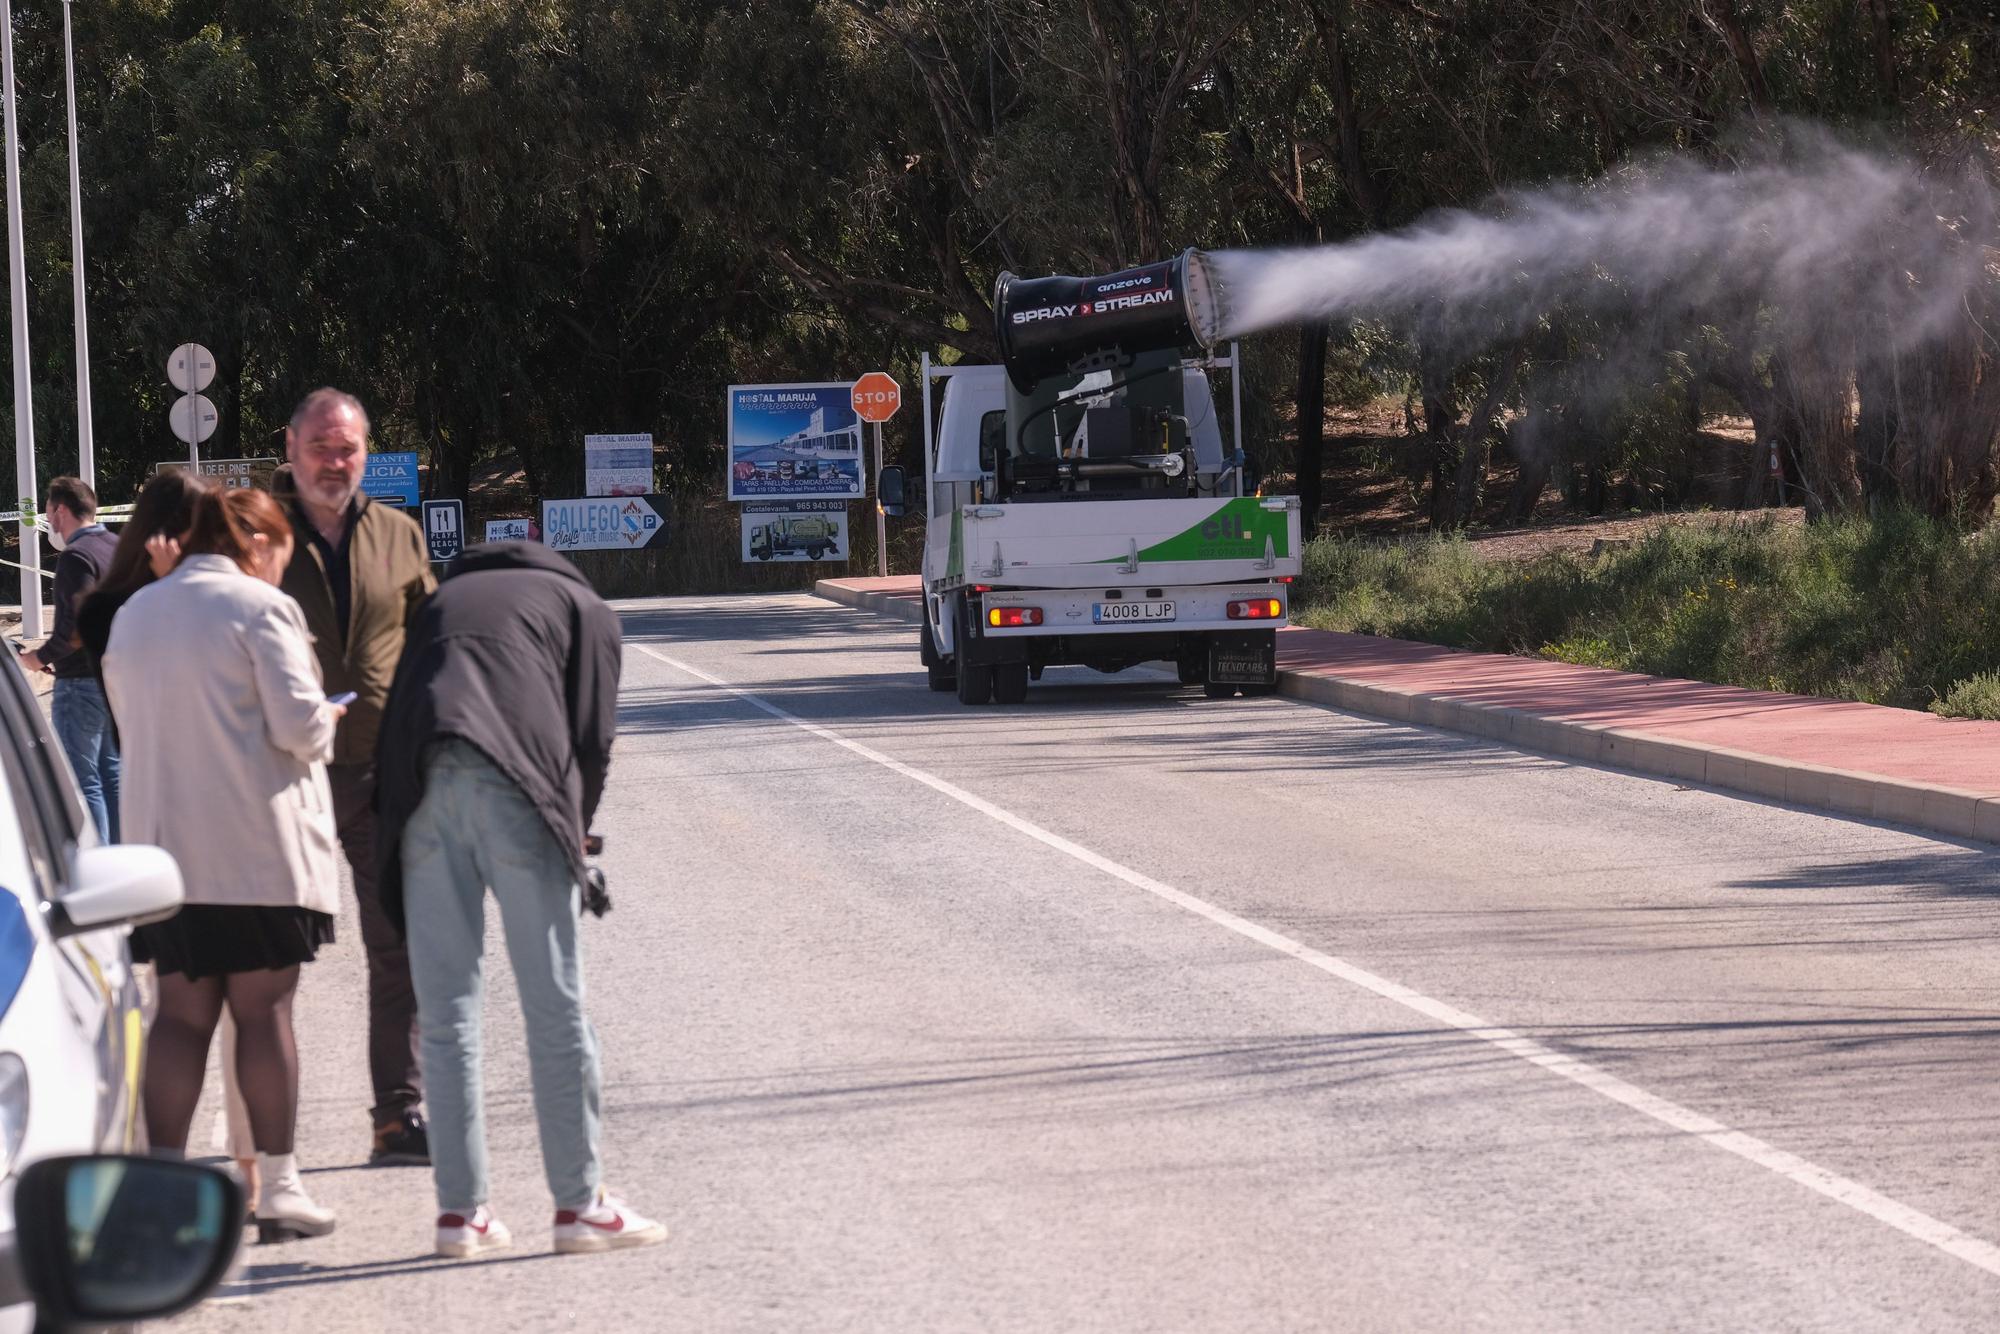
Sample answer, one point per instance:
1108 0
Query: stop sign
876 397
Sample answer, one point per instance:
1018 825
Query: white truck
1081 506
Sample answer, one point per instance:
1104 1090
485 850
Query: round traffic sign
876 397
191 368
193 418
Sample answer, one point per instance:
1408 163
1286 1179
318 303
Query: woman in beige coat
226 732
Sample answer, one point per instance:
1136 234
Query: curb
1839 792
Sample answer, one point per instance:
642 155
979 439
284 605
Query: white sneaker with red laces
608 1225
462 1236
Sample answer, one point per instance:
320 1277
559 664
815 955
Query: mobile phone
343 699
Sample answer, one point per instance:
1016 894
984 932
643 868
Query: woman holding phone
212 680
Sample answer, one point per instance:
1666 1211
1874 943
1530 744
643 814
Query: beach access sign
618 465
604 523
794 442
794 530
391 479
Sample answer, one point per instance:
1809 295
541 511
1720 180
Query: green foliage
1896 610
1975 697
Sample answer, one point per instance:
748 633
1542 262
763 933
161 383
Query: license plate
1126 613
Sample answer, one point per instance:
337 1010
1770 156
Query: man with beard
360 570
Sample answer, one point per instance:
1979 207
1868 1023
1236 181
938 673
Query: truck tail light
1007 618
1256 609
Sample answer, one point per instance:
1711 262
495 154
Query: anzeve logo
1143 280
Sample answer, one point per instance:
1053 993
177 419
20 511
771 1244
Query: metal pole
86 448
24 405
881 524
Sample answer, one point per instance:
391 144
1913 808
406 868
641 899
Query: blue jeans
82 722
475 831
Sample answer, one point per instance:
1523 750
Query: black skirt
211 939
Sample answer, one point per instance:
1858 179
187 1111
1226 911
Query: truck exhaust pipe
1062 324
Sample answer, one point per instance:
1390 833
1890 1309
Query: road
1124 1009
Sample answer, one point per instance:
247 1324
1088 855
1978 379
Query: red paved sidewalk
1853 759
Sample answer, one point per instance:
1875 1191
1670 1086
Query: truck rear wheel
975 684
975 679
937 672
1010 682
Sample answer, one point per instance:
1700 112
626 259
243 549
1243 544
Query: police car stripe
17 948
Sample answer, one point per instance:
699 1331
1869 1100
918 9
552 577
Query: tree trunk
1875 432
1475 448
1440 432
1312 424
1882 35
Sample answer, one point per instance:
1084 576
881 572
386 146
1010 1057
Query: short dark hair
75 495
325 398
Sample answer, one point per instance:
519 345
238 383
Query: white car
72 1031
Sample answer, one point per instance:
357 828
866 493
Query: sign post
191 369
876 398
24 396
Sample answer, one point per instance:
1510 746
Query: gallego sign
604 523
391 479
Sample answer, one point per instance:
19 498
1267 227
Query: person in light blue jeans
475 830
82 722
493 755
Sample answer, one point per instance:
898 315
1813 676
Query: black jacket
79 567
517 655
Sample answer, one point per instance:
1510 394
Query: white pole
881 524
86 447
24 405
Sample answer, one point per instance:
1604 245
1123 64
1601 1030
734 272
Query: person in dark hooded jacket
493 754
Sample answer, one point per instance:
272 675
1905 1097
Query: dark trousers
392 1001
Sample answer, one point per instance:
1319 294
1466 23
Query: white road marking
1912 1222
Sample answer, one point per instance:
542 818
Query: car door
100 996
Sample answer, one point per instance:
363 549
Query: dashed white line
1912 1222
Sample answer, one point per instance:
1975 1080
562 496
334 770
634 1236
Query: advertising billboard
794 530
794 442
618 465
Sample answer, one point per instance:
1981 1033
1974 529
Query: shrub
1894 610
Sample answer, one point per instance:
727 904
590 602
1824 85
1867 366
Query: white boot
284 1210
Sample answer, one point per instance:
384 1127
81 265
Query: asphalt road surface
1124 1009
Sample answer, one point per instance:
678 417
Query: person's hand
163 553
339 711
31 661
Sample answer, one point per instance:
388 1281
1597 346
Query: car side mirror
889 489
126 884
110 1239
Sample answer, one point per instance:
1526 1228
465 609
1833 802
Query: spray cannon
1061 324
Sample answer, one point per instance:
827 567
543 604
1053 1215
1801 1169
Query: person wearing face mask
77 711
227 733
360 570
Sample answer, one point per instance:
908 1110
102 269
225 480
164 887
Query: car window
45 802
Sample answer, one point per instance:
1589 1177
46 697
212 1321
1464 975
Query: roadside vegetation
1900 609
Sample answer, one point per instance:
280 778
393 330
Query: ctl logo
1226 527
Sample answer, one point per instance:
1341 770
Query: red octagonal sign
876 397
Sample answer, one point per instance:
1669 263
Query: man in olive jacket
360 570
